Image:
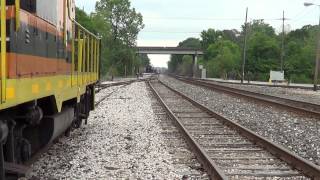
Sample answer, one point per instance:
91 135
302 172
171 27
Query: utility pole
244 47
316 70
282 49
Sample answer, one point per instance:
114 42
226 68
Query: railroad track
182 156
104 86
109 94
263 85
121 84
226 149
293 105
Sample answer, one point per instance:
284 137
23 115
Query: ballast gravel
297 133
289 93
107 92
123 140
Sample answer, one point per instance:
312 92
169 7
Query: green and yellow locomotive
49 67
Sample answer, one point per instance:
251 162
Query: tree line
224 53
118 24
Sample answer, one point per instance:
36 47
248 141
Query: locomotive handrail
17 7
3 51
78 24
86 30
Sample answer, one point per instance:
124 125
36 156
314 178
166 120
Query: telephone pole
283 42
244 47
316 70
282 49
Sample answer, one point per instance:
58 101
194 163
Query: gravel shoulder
107 91
123 140
289 93
295 132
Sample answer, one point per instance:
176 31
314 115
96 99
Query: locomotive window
10 2
48 14
29 5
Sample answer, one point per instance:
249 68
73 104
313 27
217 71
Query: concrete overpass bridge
169 50
194 52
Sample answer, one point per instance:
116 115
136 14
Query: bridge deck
169 50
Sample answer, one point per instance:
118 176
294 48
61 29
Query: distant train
49 67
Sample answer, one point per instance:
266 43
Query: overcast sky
167 22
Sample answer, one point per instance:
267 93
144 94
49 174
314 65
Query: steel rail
256 84
104 86
300 106
108 95
279 151
212 169
122 84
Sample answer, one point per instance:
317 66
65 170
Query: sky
168 22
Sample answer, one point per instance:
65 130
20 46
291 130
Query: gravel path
299 134
123 140
290 93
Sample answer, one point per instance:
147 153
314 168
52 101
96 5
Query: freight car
49 66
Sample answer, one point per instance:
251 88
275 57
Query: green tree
263 55
224 59
176 60
119 26
186 67
209 37
259 26
263 50
125 21
144 60
231 35
223 52
85 20
300 54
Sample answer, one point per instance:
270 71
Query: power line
299 18
198 18
194 18
301 14
206 19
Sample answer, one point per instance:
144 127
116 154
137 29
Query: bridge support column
195 65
